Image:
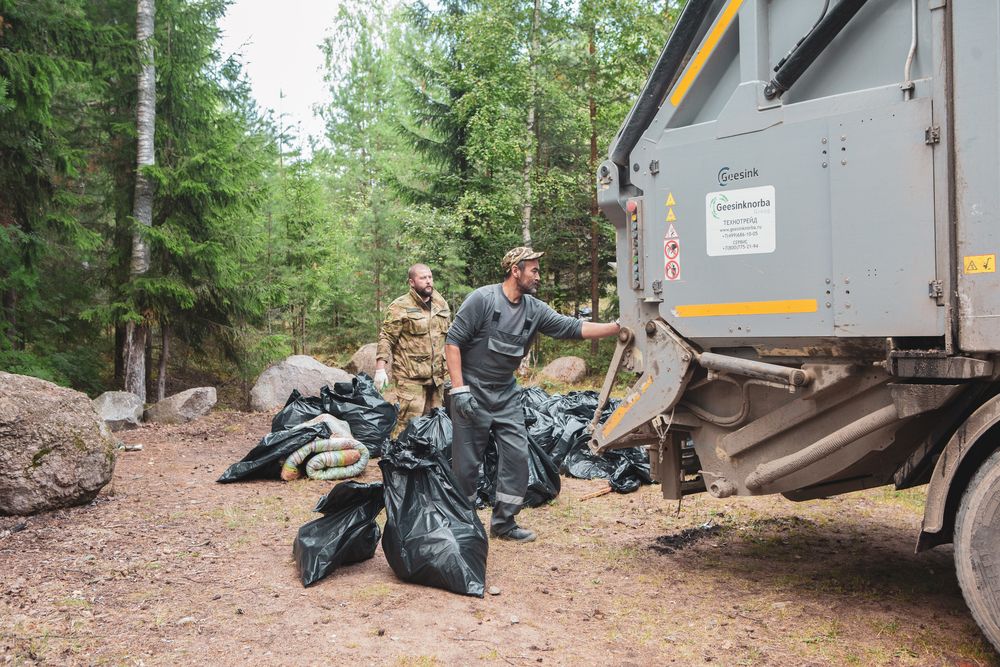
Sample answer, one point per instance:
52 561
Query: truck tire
977 547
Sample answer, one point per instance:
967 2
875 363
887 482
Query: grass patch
419 661
910 499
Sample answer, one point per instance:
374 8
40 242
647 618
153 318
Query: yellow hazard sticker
670 215
670 199
980 263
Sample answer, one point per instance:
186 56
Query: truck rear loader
806 199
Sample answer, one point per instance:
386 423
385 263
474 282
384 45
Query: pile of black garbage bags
432 534
370 417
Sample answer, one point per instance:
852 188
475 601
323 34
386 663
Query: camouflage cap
518 254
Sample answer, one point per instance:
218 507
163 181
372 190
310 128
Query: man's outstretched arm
599 329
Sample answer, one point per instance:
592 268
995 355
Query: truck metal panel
976 129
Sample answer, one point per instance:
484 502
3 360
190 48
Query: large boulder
363 360
120 410
569 370
300 372
54 449
183 407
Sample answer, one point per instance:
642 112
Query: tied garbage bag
432 534
264 460
347 532
370 416
435 428
298 409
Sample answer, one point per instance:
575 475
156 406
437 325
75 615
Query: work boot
515 534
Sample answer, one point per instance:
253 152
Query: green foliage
258 251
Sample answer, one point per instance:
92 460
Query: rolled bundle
331 458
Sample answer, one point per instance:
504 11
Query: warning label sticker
980 263
671 248
740 222
672 270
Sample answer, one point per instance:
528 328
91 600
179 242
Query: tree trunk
148 361
135 359
137 333
595 293
10 314
161 376
529 150
120 355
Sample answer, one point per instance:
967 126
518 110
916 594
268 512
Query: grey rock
300 372
363 361
565 369
183 407
55 451
121 410
494 590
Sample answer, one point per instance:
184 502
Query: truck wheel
977 547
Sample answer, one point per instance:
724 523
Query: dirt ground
167 567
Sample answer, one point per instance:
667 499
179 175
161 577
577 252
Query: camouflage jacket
413 336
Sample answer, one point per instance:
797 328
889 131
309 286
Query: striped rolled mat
327 458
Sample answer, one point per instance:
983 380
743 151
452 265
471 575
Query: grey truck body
806 256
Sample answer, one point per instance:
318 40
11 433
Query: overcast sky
280 46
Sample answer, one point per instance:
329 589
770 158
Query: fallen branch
597 494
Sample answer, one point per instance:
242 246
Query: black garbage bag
583 464
544 482
625 469
540 427
435 428
532 397
345 534
370 416
298 409
579 404
569 436
432 534
264 460
631 469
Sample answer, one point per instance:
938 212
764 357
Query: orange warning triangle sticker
670 215
971 266
672 232
670 199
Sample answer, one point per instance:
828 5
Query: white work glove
381 379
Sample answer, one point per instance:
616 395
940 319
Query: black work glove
464 404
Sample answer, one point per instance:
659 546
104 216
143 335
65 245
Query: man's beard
528 287
426 291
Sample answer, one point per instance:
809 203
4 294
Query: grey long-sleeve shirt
469 331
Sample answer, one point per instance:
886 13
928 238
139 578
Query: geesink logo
727 176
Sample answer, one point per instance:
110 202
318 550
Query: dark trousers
500 412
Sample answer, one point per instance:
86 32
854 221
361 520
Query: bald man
412 335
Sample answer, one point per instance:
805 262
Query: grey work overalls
484 366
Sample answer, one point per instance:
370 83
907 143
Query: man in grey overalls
491 333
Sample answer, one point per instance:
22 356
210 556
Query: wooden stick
597 494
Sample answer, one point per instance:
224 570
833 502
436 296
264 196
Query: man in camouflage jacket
412 335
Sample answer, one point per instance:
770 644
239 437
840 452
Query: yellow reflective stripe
712 41
748 308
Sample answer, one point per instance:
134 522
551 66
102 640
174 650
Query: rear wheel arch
969 446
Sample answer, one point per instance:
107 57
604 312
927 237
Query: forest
156 223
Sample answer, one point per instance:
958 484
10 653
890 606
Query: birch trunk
529 152
136 333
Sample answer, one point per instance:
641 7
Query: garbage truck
806 201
